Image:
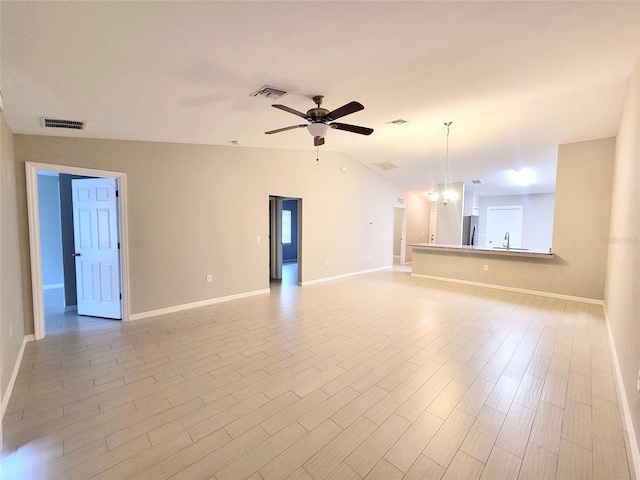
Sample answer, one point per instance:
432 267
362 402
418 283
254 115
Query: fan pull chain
318 155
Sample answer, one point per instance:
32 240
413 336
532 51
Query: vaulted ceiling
516 78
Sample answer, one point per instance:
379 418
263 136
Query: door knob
77 254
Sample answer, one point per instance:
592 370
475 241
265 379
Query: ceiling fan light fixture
318 129
319 117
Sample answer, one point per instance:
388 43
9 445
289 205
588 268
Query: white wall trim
189 306
513 289
52 286
32 169
633 442
71 308
16 368
345 275
212 301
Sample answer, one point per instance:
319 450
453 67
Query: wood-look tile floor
379 376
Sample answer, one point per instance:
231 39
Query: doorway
399 234
433 223
285 240
94 279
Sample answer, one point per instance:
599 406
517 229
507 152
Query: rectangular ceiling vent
386 165
476 182
268 92
57 123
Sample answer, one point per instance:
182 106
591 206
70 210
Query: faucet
506 241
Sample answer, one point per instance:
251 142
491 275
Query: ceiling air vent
386 165
476 182
268 92
57 123
399 121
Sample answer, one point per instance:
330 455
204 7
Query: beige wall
196 210
12 254
449 227
581 225
418 210
622 287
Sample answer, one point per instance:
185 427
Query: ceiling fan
319 119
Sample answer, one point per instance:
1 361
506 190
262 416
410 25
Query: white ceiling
516 78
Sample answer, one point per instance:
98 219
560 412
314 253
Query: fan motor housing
317 113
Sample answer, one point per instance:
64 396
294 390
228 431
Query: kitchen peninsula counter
524 271
468 249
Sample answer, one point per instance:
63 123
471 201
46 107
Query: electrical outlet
209 278
258 239
486 268
326 263
638 383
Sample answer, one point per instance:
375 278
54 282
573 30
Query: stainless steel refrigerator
470 230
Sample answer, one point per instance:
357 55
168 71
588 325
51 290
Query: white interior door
500 220
433 222
95 228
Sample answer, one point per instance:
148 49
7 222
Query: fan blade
352 128
347 109
317 141
291 110
285 129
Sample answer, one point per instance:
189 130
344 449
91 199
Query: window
286 227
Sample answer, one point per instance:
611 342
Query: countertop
481 251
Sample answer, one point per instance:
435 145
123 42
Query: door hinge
117 193
120 296
118 245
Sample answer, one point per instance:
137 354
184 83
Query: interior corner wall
582 214
12 309
195 210
418 211
622 286
449 222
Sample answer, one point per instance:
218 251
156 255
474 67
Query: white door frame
275 234
403 232
32 169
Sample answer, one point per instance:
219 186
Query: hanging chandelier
447 195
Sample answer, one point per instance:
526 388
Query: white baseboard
71 308
635 453
188 306
52 285
14 374
345 275
513 289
